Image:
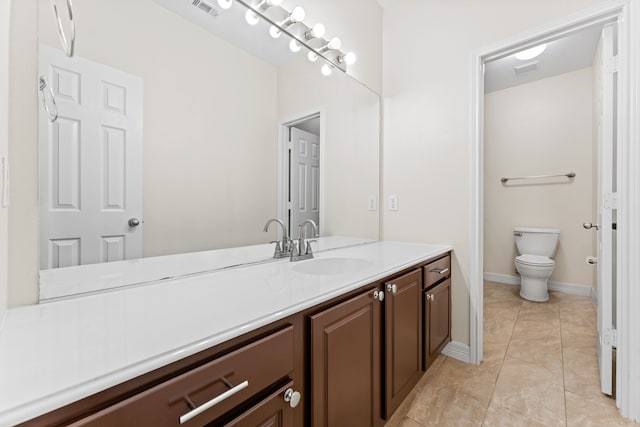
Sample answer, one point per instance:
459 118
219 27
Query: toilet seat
535 260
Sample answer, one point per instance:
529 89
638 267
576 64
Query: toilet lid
539 260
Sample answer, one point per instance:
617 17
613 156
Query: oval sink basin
330 266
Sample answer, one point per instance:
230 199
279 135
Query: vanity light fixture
316 32
225 4
329 51
296 15
531 53
348 58
326 69
263 5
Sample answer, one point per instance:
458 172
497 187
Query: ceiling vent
206 7
526 68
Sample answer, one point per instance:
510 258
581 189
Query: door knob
591 260
134 222
293 397
589 226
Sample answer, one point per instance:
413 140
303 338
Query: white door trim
628 296
283 179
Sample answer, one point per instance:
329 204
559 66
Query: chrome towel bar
568 175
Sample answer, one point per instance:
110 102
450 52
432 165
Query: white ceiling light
316 32
251 17
312 56
296 16
326 70
294 46
531 53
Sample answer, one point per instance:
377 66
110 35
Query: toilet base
534 289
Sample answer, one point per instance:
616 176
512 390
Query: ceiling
231 25
561 56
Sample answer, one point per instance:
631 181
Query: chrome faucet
302 250
283 249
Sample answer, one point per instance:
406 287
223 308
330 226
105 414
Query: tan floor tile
408 422
579 322
541 351
476 381
503 418
447 406
530 391
581 373
593 412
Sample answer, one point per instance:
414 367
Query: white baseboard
594 297
566 288
458 350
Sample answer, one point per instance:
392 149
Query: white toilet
536 247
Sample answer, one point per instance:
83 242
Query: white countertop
56 353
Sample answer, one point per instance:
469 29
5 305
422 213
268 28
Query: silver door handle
591 260
439 270
134 222
200 409
589 226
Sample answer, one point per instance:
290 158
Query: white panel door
90 163
606 210
304 184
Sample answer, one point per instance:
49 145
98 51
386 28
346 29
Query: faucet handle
308 247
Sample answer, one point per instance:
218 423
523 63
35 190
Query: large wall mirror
171 138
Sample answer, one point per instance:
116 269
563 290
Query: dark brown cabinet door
437 303
403 337
345 363
273 411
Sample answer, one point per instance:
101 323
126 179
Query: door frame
283 162
628 249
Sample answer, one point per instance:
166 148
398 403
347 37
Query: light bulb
349 58
317 31
335 43
251 17
311 56
298 14
274 32
326 70
294 46
225 4
531 53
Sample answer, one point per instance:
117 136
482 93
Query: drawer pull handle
393 288
200 409
439 270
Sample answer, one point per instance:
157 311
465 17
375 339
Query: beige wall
23 152
426 48
4 143
538 128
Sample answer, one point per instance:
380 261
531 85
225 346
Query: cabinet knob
393 288
430 297
379 295
293 397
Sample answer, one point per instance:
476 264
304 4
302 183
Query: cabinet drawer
260 364
437 270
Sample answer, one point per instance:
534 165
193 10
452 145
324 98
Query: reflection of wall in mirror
4 145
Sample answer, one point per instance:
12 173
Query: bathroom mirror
189 132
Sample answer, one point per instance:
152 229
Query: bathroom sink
331 266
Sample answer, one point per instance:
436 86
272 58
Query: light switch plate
393 202
372 205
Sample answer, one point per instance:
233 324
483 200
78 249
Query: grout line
501 364
564 386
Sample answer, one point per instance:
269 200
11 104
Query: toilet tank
536 241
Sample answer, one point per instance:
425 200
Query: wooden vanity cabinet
403 337
437 309
274 411
345 362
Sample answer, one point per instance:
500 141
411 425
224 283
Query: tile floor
540 369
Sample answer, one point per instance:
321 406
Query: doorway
479 60
300 171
